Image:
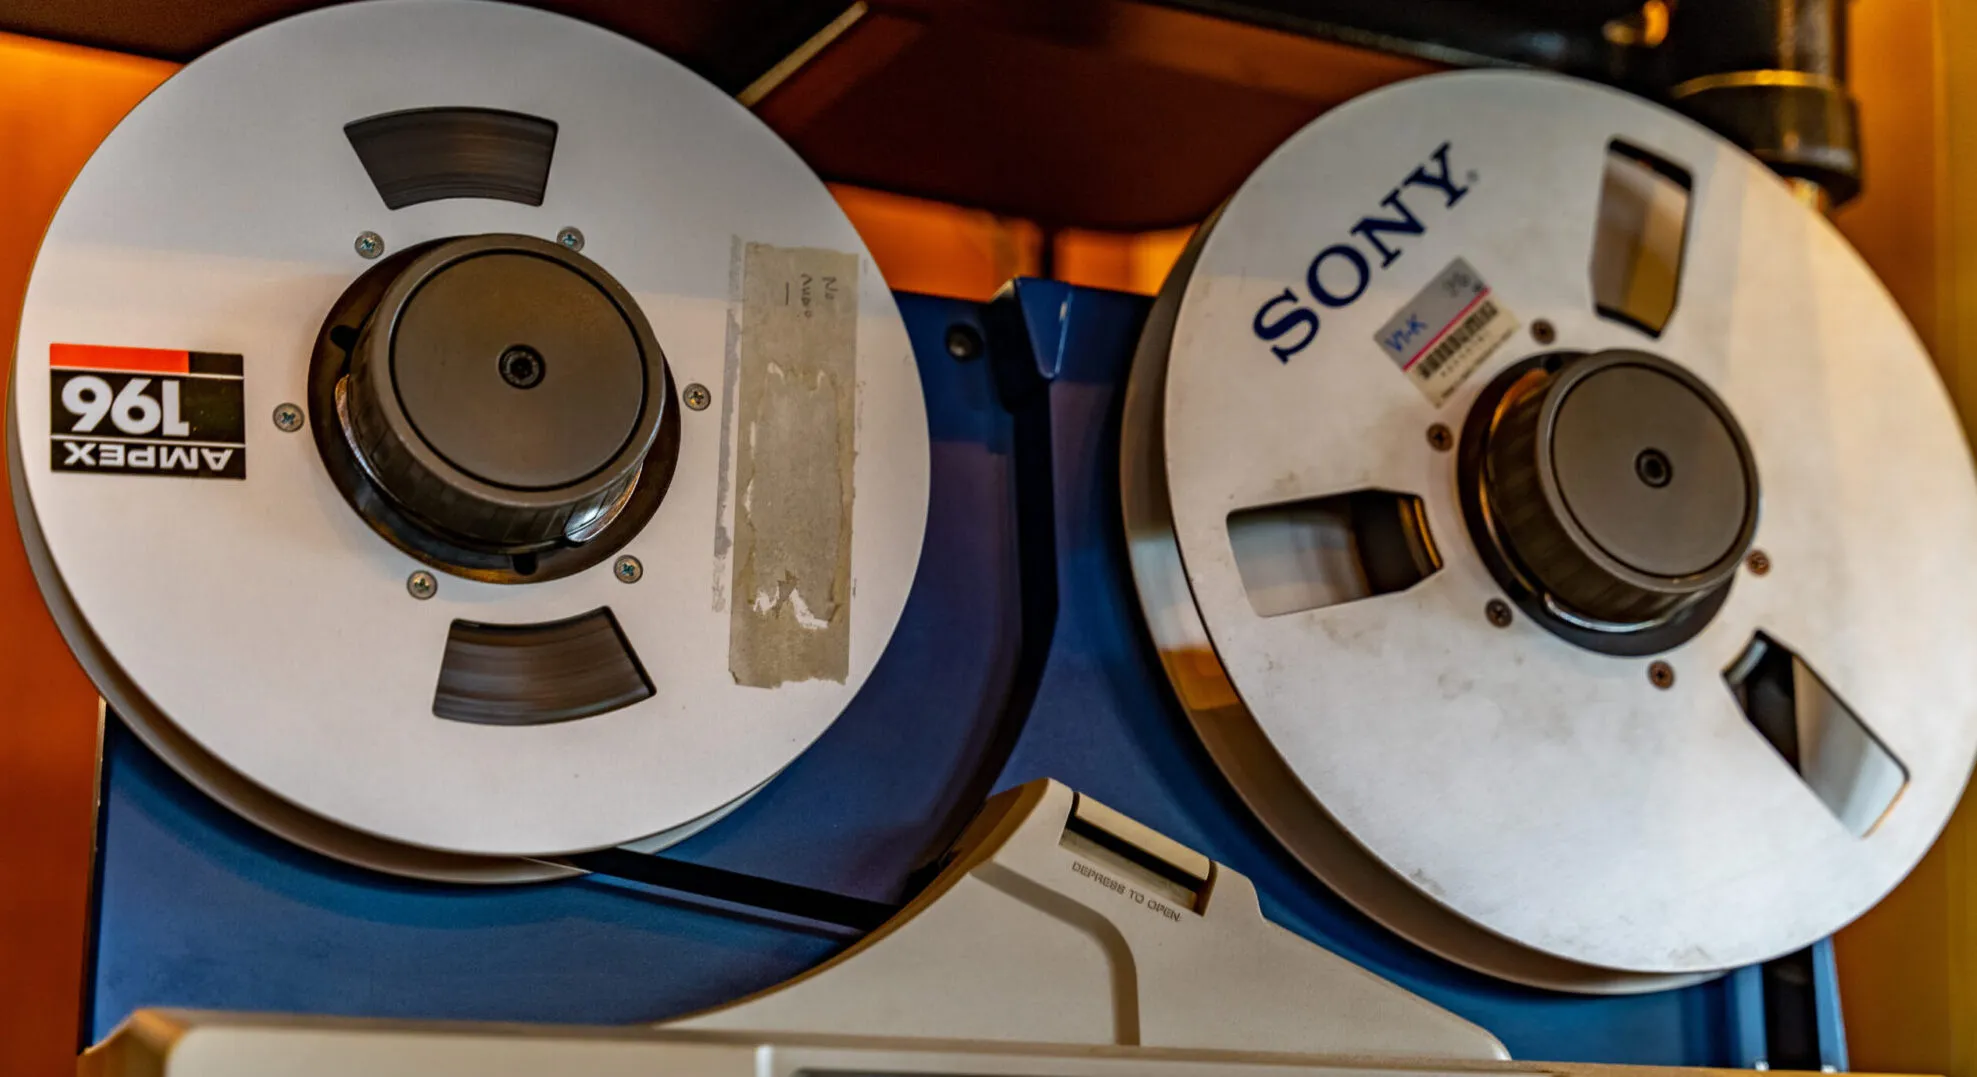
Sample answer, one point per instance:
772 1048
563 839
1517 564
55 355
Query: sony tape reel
452 435
1557 535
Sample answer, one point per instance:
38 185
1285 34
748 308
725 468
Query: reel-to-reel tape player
468 447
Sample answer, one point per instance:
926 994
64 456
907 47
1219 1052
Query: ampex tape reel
470 447
416 542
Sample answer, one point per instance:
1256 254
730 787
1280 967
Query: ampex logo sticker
146 411
1339 274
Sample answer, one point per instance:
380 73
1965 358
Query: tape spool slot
535 674
426 154
1323 551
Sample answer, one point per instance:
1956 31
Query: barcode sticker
1441 336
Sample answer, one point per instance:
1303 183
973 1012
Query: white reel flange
1557 534
557 506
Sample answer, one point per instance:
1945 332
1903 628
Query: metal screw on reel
421 585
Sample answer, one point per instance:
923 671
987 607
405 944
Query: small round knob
504 392
1622 485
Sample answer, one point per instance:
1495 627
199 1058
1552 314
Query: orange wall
56 104
940 249
1129 263
1908 968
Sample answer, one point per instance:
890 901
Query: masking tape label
795 418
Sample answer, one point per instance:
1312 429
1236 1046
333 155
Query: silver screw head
571 239
421 585
369 244
1498 611
288 418
697 397
628 570
964 341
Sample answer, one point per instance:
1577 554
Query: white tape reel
1546 694
259 632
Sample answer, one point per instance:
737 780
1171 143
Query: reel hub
1614 495
497 400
